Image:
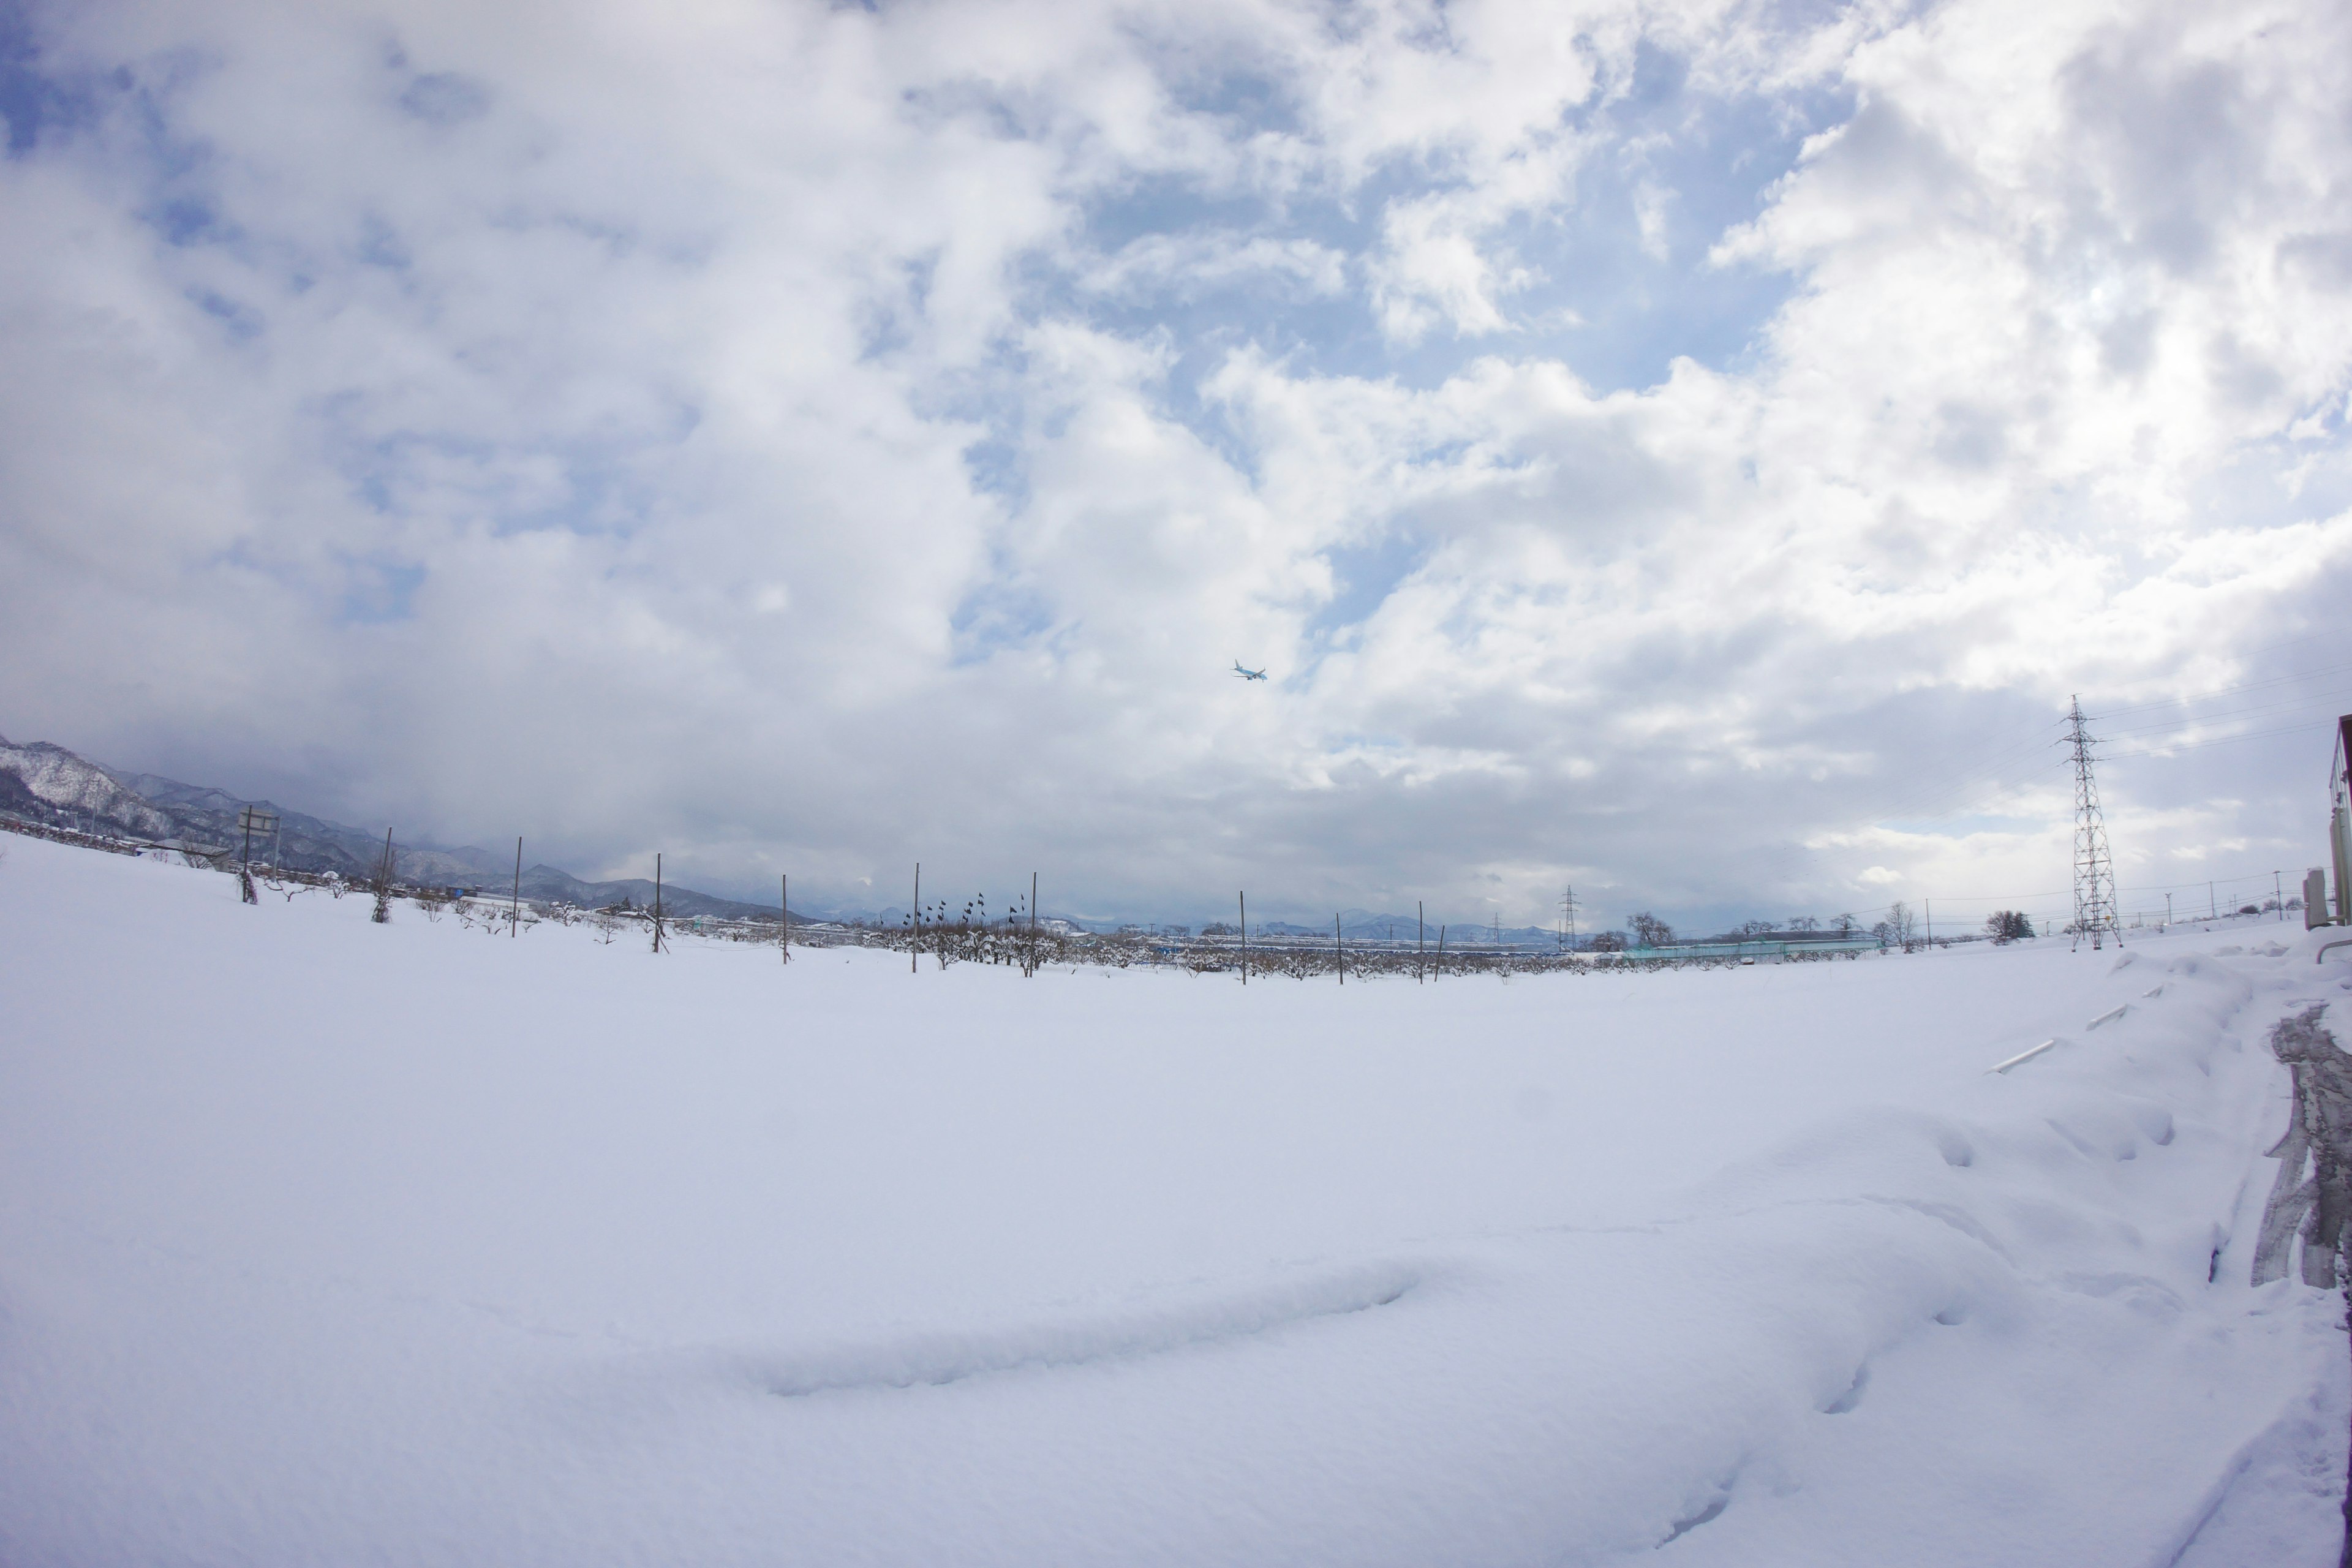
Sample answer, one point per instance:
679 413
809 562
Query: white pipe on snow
2022 1056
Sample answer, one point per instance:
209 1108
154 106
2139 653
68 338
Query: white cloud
1190 264
833 436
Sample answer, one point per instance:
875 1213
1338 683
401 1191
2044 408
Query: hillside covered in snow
45 783
322 1241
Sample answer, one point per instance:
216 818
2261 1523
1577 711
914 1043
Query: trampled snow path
321 1242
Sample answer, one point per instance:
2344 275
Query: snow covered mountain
49 784
44 783
1368 926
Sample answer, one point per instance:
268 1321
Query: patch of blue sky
380 245
445 98
889 317
1690 168
35 104
1265 304
1002 613
382 469
587 488
1616 303
997 468
991 398
1203 328
2290 479
1168 205
379 592
1257 100
600 488
1362 577
242 321
183 220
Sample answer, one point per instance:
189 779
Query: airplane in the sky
1248 674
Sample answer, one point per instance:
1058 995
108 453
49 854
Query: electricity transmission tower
1568 918
2095 871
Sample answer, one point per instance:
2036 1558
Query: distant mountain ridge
1368 926
42 782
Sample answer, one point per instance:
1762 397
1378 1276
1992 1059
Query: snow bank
328 1242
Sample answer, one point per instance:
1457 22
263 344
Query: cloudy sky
1691 450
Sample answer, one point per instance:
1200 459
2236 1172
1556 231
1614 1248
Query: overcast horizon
1691 452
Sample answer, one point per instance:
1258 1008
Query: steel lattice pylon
2095 871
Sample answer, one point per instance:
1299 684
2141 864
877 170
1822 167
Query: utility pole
1033 922
1244 939
915 944
384 871
1420 940
2095 873
785 902
514 911
252 818
659 943
1339 953
2278 894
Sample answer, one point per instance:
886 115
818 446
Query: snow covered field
329 1243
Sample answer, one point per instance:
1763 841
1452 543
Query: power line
2283 706
2162 751
1930 805
2225 691
2120 887
1955 789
